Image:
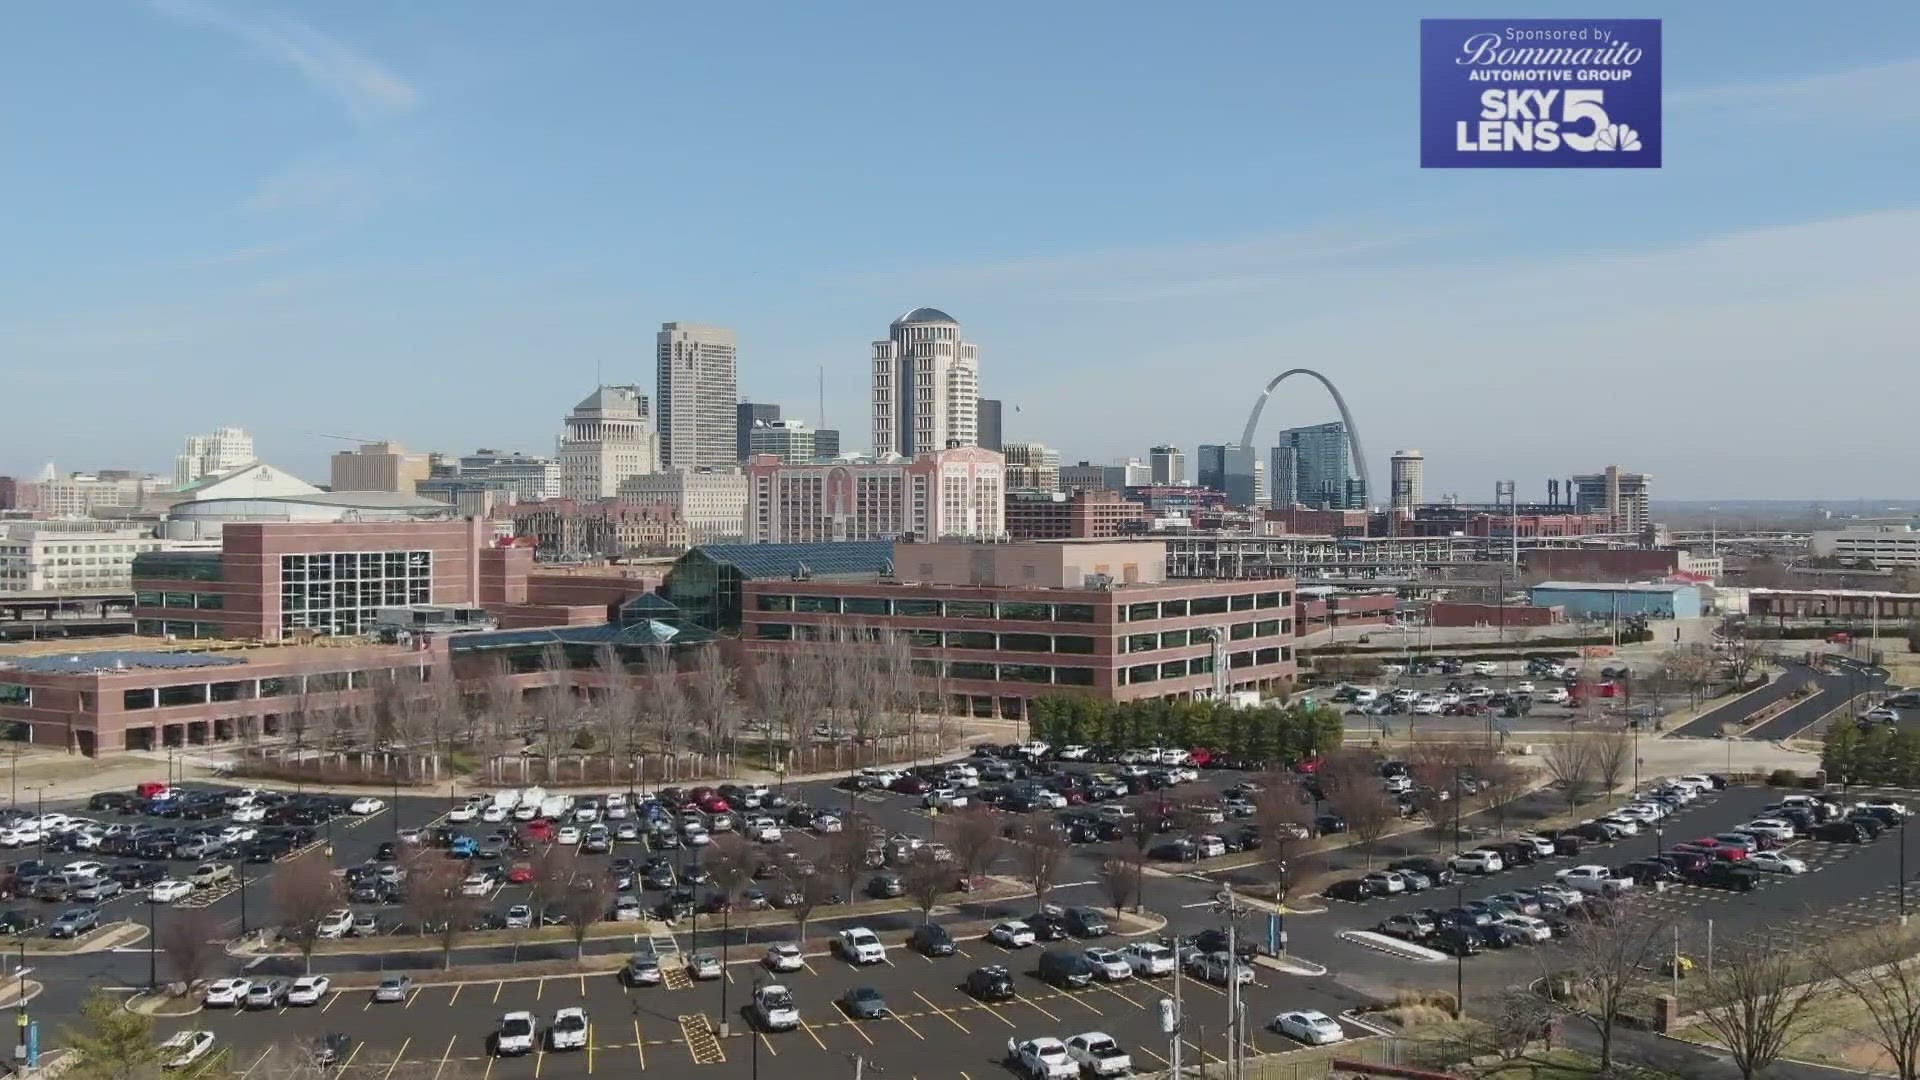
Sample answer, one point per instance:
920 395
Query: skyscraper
699 392
745 414
1322 468
1032 466
1408 479
1230 469
1622 496
1169 465
1283 477
926 386
990 437
826 442
227 448
609 437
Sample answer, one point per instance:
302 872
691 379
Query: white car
586 813
1542 846
526 811
943 798
1523 687
1012 934
695 834
1310 1026
1042 1059
1108 964
366 804
476 885
785 957
1098 1054
308 990
1627 826
519 917
237 834
1477 862
495 814
1774 863
250 815
1148 959
227 993
336 924
1554 695
1769 827
183 1048
1700 782
1899 809
167 890
1528 927
515 1035
464 812
773 1007
1074 752
568 1030
859 945
764 829
567 835
85 869
1592 879
19 836
1485 668
628 909
827 823
1427 707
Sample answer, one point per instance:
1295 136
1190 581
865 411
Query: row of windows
1174 639
916 607
1203 605
1200 665
985 640
185 601
1040 674
178 628
342 592
202 693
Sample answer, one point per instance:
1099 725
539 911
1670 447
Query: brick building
995 625
953 492
1082 515
1452 614
1318 608
563 527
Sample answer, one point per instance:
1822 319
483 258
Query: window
1240 631
1142 612
823 605
1142 642
1173 669
337 680
1267 656
1266 628
775 603
210 601
341 592
867 605
1072 643
926 669
970 639
1240 660
1081 613
1209 605
15 694
1073 676
189 694
1173 609
177 600
961 669
147 627
1026 642
227 691
773 631
1242 602
1027 612
1173 639
969 609
1267 600
139 699
273 687
1145 673
1026 673
148 599
923 609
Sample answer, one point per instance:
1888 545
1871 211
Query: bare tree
503 712
973 834
1041 850
553 872
1369 811
1757 1001
436 904
1121 878
847 851
1502 783
1519 1019
666 698
1612 758
305 892
1874 969
1285 828
730 861
584 905
1691 667
1571 763
615 710
711 698
806 892
926 880
1605 960
771 697
188 939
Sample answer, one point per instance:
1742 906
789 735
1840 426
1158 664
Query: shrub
1783 778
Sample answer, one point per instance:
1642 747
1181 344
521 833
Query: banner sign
1540 93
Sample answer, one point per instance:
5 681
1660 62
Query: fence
1311 1063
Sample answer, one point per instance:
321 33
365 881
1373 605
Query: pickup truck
1097 1053
1041 1059
1593 879
860 946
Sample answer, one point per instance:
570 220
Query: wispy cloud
1875 92
326 182
364 86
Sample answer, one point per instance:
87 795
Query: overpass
82 613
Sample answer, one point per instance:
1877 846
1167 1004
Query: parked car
394 988
1099 1054
226 993
74 923
1309 1026
990 983
1012 934
270 993
1149 959
931 939
863 1003
183 1048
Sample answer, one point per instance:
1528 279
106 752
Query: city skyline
343 195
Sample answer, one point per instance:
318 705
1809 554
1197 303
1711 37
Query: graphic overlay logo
1540 93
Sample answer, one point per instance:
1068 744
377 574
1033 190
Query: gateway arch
1353 433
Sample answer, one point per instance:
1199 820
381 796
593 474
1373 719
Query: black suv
1843 832
1046 926
1720 875
1437 872
1086 923
931 939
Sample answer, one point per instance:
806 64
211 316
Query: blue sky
434 222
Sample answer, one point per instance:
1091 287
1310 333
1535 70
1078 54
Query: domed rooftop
925 315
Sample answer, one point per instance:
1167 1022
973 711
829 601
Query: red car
521 873
714 804
1201 757
540 829
911 785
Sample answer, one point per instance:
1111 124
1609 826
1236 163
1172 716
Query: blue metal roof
631 635
94 663
832 558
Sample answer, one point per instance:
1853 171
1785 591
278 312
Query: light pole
153 939
396 805
1903 871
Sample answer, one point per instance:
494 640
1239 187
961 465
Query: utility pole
1227 905
1176 1019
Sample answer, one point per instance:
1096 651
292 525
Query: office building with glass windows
994 626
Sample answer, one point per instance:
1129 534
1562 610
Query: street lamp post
396 805
153 939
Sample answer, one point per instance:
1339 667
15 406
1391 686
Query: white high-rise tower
926 386
699 395
1408 478
609 437
209 455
